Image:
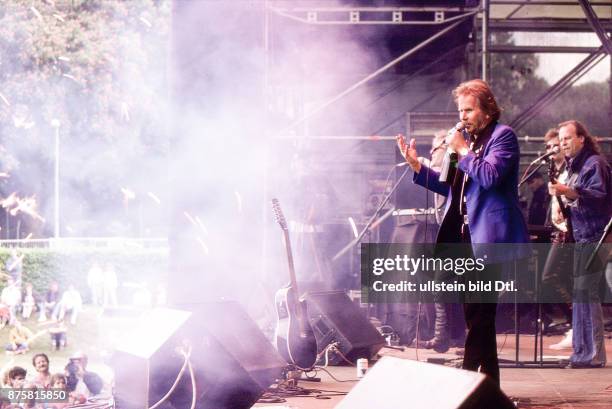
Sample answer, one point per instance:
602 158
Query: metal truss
544 25
374 15
486 22
557 89
376 73
596 25
530 49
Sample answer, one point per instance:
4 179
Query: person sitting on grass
19 338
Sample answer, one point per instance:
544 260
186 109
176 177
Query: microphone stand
542 163
370 225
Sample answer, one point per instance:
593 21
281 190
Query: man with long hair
482 206
588 191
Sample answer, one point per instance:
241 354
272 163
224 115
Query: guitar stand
538 347
292 375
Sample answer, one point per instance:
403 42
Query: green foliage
587 103
517 87
513 80
97 66
41 266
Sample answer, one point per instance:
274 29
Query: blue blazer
491 195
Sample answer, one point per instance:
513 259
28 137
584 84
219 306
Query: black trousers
481 340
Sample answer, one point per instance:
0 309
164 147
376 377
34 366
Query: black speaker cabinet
335 318
232 360
395 383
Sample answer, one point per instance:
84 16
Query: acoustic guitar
294 337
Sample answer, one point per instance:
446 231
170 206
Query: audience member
14 267
50 304
110 285
75 384
92 380
58 381
95 282
19 337
16 377
11 298
72 303
59 337
42 379
29 301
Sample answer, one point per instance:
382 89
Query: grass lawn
96 333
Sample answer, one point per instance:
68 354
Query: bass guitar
294 337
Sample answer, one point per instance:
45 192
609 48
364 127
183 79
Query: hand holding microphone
455 141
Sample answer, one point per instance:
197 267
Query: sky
554 66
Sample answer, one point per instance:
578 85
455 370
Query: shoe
436 344
584 365
565 343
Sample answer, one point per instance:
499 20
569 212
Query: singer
482 205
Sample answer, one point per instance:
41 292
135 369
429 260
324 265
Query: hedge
70 266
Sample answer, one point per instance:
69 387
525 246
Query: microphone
450 157
552 152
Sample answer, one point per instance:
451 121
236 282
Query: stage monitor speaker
395 383
233 362
335 318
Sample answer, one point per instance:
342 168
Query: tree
99 68
514 79
517 87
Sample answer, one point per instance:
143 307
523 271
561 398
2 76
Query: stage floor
531 387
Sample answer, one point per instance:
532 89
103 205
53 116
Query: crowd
76 380
54 311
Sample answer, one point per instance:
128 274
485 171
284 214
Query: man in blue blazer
482 206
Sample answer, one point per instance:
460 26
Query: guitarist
556 278
589 193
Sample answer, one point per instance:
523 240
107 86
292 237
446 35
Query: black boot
441 339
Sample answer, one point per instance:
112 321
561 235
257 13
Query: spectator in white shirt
72 303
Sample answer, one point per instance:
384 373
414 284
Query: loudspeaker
395 383
335 318
232 361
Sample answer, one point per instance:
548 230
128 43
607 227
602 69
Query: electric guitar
564 237
294 337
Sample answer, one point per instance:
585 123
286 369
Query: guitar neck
552 175
292 277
